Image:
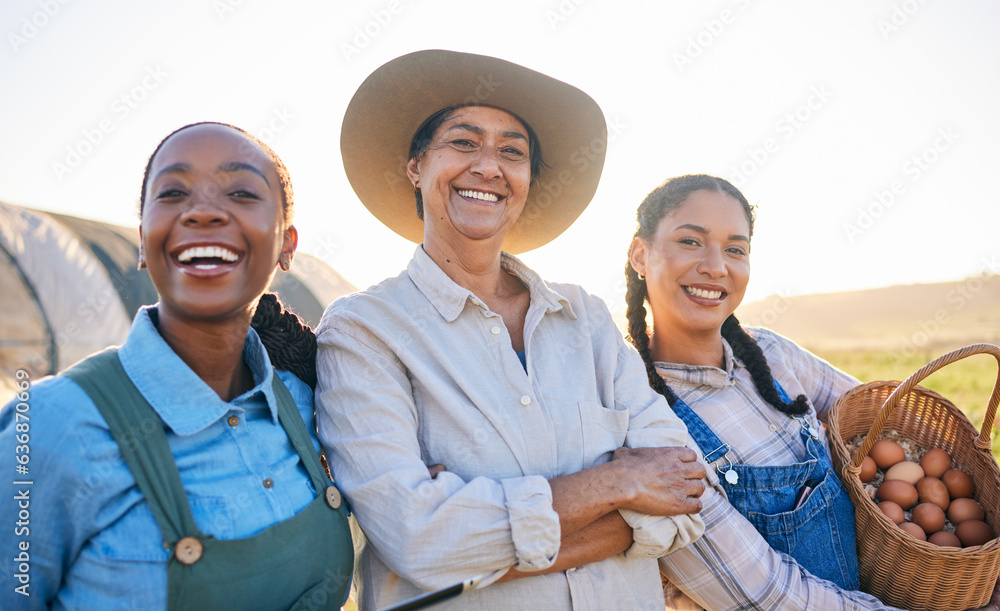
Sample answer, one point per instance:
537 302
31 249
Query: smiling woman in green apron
182 469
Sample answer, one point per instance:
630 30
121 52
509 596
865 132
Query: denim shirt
93 542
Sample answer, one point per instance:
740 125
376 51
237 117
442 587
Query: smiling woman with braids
182 469
733 387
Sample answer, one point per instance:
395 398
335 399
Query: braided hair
290 342
660 203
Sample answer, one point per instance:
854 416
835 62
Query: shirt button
234 420
525 400
333 497
773 428
268 482
495 330
188 550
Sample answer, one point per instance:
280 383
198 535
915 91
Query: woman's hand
661 481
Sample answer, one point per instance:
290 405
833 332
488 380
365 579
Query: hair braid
290 342
746 349
635 297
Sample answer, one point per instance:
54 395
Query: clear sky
866 132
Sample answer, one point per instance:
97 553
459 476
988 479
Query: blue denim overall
820 533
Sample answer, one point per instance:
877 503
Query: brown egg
914 531
935 462
893 511
960 484
964 509
944 538
973 532
868 469
899 492
909 472
886 453
933 490
928 516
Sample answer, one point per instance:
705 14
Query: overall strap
295 428
711 446
143 444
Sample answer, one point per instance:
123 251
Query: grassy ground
966 383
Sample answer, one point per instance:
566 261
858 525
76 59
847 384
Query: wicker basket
895 567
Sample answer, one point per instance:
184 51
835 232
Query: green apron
302 563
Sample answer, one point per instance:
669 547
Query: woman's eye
737 251
242 194
688 241
463 144
170 194
511 152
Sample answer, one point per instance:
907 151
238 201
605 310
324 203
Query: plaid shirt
731 566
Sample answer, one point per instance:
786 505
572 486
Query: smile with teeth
703 294
207 257
480 195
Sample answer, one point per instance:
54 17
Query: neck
212 349
475 268
688 348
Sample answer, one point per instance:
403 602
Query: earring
641 277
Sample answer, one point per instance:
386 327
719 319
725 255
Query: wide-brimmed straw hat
394 100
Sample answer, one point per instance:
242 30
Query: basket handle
982 442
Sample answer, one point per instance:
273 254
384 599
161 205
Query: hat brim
395 99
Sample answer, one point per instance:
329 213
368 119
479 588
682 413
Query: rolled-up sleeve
651 424
432 532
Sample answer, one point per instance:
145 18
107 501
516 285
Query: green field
967 383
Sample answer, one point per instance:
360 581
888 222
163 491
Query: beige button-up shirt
416 371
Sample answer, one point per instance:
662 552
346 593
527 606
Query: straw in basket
895 567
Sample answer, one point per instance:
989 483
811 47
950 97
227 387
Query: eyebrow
479 131
232 166
705 231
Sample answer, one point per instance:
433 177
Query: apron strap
295 428
143 444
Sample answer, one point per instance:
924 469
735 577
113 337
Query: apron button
188 550
333 497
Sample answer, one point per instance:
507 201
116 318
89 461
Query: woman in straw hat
525 391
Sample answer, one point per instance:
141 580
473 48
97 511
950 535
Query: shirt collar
449 298
182 399
678 374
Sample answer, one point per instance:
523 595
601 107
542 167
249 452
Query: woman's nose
712 265
486 163
205 208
